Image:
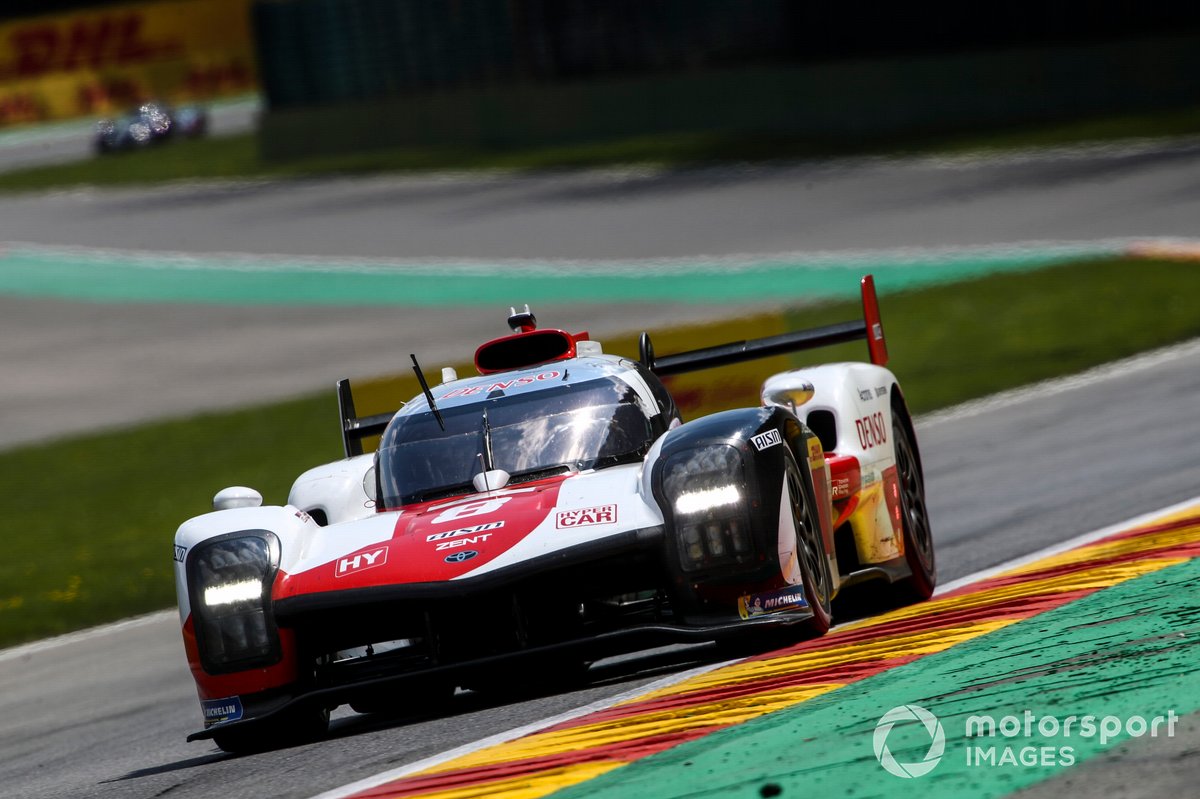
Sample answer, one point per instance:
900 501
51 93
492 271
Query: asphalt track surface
1105 192
90 366
107 716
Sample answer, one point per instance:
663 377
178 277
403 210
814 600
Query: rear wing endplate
870 327
355 429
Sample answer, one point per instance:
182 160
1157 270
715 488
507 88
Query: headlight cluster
230 579
706 489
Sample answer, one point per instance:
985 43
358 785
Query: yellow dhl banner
102 61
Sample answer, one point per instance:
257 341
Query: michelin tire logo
906 714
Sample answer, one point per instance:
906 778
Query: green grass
237 156
88 522
959 341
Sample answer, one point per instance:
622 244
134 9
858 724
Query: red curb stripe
622 752
844 673
1154 529
1174 551
1183 550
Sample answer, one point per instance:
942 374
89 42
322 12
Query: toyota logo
459 557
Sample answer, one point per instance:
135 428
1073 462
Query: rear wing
870 327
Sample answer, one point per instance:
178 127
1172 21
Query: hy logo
904 715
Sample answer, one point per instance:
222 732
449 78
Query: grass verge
88 521
237 156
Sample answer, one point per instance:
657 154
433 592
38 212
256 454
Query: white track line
1064 546
1058 385
813 259
47 644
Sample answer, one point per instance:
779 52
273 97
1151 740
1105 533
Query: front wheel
918 537
810 550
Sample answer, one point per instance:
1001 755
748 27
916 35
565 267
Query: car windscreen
582 426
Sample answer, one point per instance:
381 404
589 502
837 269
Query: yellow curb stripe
629 728
921 642
918 642
1105 550
1181 251
531 786
1100 577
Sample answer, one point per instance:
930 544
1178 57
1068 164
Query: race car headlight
230 584
706 491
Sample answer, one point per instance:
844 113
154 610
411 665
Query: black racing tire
918 536
287 729
814 561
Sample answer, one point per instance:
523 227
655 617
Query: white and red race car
552 510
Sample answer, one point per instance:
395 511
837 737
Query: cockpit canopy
529 434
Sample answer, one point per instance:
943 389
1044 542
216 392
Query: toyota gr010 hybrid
551 510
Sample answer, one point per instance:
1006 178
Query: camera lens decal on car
459 557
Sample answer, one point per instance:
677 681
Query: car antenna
487 442
428 394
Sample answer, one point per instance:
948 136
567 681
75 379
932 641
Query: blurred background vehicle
147 124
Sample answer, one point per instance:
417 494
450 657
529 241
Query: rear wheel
810 550
918 536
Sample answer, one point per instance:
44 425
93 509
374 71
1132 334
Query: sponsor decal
774 602
455 543
303 516
865 395
840 486
584 517
103 61
361 562
872 431
502 385
479 507
816 455
504 492
180 553
479 528
218 711
880 391
460 557
765 440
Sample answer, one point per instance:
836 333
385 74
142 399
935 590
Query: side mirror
490 481
237 497
370 488
787 392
